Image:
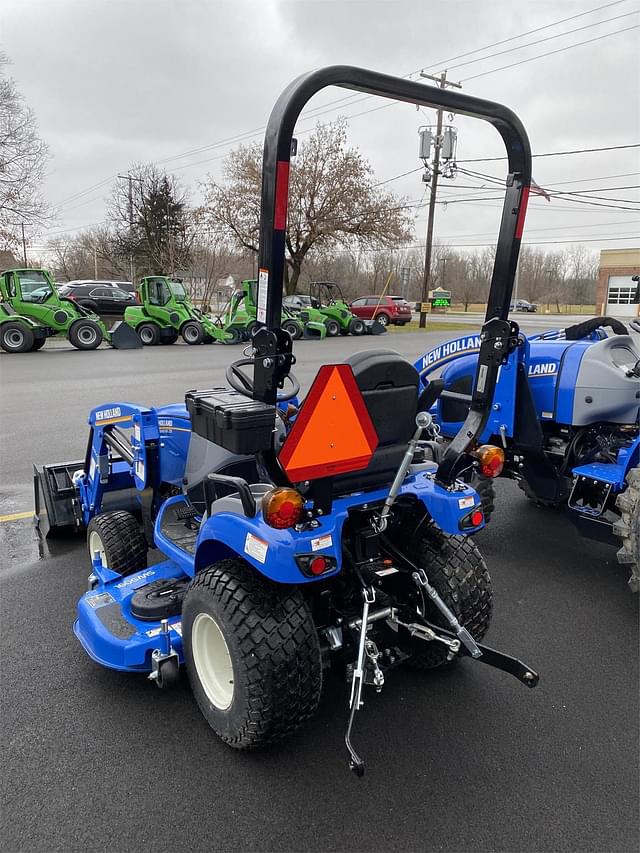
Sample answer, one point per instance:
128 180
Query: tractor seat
389 386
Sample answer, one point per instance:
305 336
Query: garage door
620 296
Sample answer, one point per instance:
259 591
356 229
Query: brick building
615 290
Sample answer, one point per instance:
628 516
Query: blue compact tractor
293 535
564 424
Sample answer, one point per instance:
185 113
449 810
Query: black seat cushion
389 386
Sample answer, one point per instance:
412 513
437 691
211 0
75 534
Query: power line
550 53
557 153
527 33
548 38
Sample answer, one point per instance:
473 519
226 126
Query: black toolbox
231 420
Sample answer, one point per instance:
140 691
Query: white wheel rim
146 335
212 661
96 547
14 338
86 334
382 319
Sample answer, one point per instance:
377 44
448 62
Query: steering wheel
241 383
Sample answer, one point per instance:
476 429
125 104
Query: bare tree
87 252
23 156
333 201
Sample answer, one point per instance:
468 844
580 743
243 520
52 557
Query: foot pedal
185 512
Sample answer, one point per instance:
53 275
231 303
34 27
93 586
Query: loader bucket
373 327
56 505
313 330
123 336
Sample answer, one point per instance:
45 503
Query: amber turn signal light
282 507
491 460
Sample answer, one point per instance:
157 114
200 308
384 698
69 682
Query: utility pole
95 262
442 82
24 245
129 177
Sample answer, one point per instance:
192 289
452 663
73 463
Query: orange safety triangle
333 433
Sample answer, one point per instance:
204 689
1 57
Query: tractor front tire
357 327
192 333
38 344
333 328
16 337
252 654
85 334
117 537
458 572
628 528
171 339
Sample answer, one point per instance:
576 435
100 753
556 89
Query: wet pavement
466 759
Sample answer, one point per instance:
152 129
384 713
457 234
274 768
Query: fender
272 552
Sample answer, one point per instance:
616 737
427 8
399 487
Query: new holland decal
444 352
543 368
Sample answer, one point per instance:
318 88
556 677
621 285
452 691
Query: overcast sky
118 81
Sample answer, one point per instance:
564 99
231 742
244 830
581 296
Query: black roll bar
499 336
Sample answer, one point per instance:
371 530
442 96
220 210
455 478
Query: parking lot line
16 516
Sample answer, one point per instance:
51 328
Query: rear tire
167 341
38 344
457 570
117 537
85 334
16 337
192 333
252 654
628 528
333 328
149 334
293 329
486 491
383 319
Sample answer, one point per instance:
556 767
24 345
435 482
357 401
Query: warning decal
263 292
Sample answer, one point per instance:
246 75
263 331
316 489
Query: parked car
297 302
385 309
127 286
99 297
523 305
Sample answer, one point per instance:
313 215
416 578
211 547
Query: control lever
423 420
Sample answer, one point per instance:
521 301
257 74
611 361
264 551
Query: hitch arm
494 658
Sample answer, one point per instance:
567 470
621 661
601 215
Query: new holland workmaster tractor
564 424
296 534
32 294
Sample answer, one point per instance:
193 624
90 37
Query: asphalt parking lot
462 760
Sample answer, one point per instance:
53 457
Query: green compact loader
166 312
240 315
30 294
328 301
